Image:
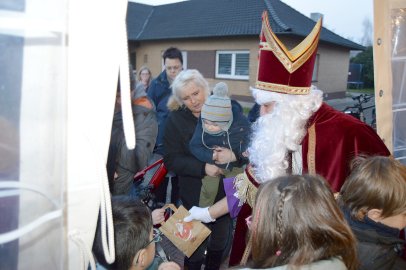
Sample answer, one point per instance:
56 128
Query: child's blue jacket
239 135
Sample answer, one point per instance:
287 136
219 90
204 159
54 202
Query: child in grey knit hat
222 125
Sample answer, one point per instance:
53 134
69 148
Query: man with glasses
159 92
134 238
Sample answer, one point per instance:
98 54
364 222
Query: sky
344 17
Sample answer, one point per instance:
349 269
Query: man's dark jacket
159 92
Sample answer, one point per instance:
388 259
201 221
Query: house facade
223 44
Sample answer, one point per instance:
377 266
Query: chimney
315 16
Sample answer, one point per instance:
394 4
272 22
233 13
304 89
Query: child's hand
169 266
224 155
158 216
214 155
212 170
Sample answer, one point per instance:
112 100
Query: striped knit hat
217 107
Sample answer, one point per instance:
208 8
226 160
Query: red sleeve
338 140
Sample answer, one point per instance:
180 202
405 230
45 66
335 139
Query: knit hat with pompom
217 107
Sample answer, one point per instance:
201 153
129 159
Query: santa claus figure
296 133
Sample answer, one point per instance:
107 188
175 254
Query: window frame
233 60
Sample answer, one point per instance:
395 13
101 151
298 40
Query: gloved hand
199 213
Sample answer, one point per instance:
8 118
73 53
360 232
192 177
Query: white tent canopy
60 64
64 59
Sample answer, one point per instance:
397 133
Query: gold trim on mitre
281 88
295 58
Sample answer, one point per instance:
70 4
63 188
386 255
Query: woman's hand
158 216
213 170
224 155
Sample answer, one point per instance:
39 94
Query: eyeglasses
156 237
174 68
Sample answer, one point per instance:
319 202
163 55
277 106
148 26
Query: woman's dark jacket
238 134
180 127
379 246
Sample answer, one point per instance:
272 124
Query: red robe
338 139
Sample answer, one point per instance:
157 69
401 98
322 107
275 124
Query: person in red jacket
296 133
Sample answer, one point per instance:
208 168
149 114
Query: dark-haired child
134 237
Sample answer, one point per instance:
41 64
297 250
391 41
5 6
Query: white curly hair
280 131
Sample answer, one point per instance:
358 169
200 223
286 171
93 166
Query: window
232 64
316 69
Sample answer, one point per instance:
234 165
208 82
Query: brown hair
141 70
375 182
296 221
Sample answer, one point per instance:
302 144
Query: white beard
280 131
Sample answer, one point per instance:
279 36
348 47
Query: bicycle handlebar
363 98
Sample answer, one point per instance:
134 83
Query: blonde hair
297 221
375 182
182 79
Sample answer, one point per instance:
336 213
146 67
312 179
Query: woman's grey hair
182 79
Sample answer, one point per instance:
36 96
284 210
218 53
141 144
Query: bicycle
358 110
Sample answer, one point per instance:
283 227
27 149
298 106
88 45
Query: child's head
216 113
376 188
296 221
133 235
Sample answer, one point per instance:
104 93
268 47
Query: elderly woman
189 92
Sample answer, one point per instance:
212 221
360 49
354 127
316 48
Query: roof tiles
219 18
